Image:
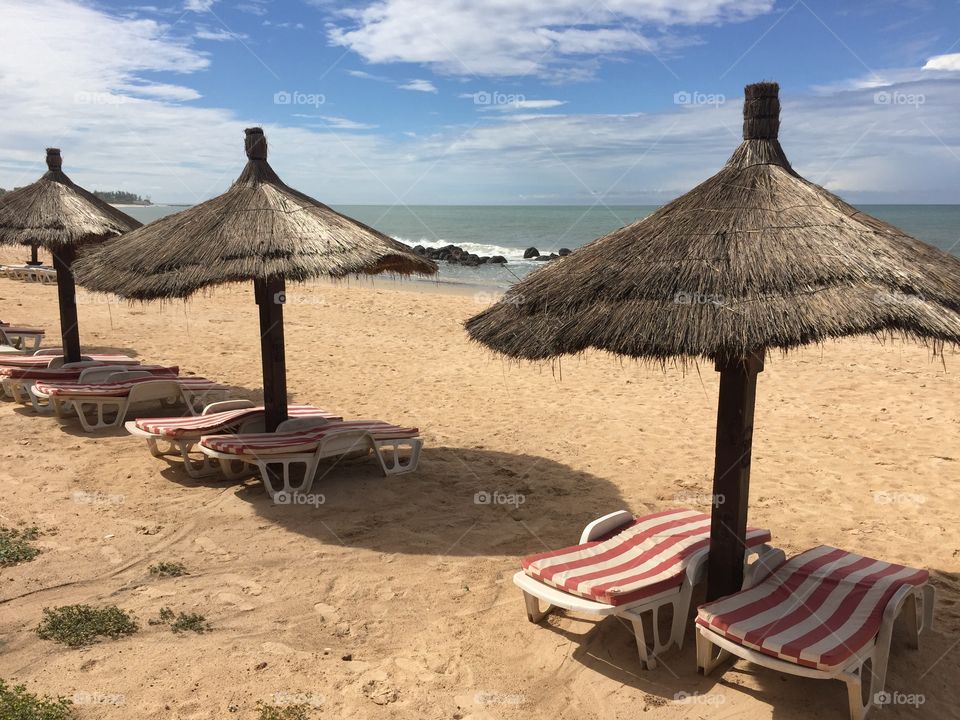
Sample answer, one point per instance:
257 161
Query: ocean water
509 229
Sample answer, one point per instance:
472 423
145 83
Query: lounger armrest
603 525
302 423
770 558
225 405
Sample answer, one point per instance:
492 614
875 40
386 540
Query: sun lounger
16 382
53 358
397 449
825 613
118 391
180 435
29 273
25 339
629 567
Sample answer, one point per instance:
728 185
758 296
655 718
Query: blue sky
486 102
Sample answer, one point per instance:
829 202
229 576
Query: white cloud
217 34
944 62
253 7
198 5
419 86
364 75
82 79
545 37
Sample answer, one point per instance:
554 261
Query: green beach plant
168 569
79 625
297 711
15 545
18 704
183 622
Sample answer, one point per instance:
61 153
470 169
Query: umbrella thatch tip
255 143
54 161
761 111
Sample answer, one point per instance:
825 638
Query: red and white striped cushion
647 557
302 440
44 360
219 421
71 374
121 389
818 609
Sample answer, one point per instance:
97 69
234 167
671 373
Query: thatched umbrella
60 216
753 259
261 230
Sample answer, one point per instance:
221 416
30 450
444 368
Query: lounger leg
310 463
391 462
534 613
707 658
854 681
647 659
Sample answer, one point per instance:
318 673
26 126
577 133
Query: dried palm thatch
63 217
259 228
755 257
55 213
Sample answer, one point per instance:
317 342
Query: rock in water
531 252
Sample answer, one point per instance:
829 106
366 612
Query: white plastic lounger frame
168 391
19 388
19 340
205 466
343 443
678 598
713 649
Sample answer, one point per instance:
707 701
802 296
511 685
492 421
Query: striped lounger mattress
121 389
174 428
818 609
645 558
301 441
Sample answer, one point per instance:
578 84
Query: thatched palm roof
258 228
755 257
54 212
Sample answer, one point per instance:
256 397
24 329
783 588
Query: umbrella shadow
459 502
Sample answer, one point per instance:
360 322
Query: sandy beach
856 446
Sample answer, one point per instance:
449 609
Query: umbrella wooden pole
270 296
34 259
66 291
731 474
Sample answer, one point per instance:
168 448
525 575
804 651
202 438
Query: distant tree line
121 197
111 196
